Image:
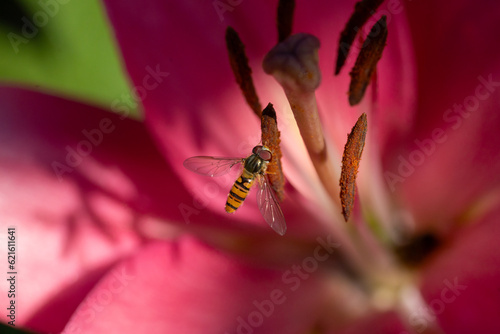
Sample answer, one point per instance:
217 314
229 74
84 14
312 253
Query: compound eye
265 155
256 149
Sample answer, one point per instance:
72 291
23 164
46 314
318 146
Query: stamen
350 163
241 69
285 19
294 64
271 139
362 12
367 60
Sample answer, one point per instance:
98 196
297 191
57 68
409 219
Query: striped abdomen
239 191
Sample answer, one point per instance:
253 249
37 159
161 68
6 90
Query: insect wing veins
211 166
269 206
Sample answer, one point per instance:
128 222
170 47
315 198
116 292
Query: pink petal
187 287
461 283
450 161
192 106
125 169
72 227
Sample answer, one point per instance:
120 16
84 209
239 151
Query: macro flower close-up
353 144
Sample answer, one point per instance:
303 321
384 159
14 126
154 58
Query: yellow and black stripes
239 191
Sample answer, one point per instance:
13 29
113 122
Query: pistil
294 64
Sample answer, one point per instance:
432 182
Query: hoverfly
254 168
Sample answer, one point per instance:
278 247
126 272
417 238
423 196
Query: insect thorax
255 165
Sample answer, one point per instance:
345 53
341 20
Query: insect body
255 164
254 168
239 191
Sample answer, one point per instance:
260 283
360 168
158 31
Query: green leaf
5 329
64 48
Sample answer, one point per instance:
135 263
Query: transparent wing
269 206
211 166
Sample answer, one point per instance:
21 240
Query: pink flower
114 235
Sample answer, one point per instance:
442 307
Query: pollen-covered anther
350 164
363 10
241 69
367 60
294 63
271 139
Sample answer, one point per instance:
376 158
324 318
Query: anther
367 60
362 12
350 163
271 139
241 69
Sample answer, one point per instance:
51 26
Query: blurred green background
5 329
64 48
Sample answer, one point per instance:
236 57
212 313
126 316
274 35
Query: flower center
293 62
